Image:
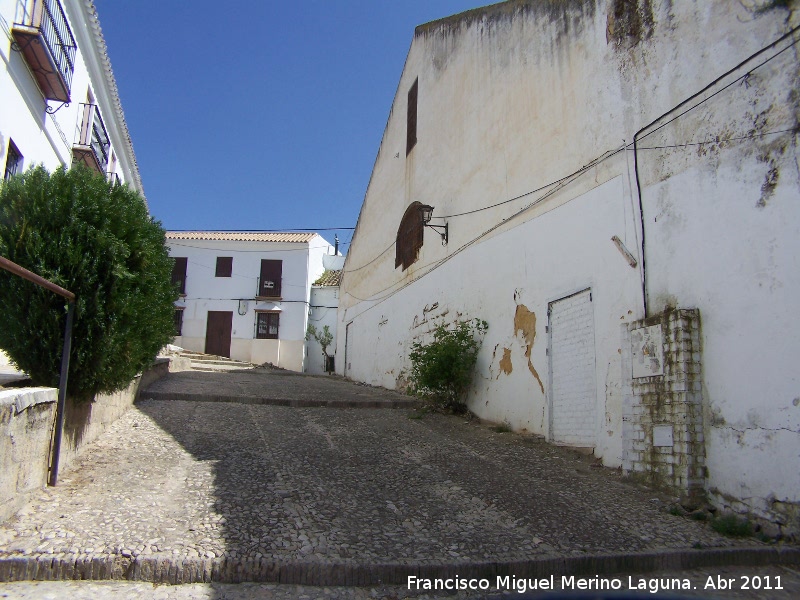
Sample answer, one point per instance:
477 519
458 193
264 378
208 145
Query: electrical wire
560 183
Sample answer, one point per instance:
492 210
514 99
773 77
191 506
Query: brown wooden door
218 332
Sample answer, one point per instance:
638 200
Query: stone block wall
26 423
27 419
662 422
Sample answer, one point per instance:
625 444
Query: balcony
46 42
93 145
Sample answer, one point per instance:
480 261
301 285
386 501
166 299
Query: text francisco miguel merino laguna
570 582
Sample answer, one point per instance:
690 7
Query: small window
409 237
179 274
224 266
269 283
178 321
13 161
411 125
267 325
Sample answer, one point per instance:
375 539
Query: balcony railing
92 146
46 41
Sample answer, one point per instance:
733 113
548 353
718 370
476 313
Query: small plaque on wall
647 351
662 436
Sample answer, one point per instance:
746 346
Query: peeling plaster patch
525 323
505 363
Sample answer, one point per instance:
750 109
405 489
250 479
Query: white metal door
572 371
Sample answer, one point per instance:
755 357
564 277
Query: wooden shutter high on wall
270 281
179 273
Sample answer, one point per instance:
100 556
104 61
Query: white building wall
324 301
516 97
47 139
205 292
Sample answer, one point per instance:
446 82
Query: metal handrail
14 268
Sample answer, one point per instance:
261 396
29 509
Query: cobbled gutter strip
168 570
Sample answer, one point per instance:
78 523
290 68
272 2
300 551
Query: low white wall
27 418
26 421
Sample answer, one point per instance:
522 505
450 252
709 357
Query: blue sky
260 114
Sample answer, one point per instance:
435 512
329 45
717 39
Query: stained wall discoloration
505 363
525 326
629 22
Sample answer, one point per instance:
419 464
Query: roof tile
242 236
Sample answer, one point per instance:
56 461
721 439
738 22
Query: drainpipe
676 108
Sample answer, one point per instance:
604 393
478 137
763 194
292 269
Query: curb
292 402
169 570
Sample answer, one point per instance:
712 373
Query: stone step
233 367
217 361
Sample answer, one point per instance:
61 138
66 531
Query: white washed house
618 181
246 295
59 100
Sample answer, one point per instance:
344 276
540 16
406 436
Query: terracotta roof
242 236
329 278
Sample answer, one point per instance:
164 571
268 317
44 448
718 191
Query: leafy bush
732 526
324 339
97 240
441 371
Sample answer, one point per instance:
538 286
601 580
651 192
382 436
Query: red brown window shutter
409 237
179 273
224 266
270 281
267 325
411 124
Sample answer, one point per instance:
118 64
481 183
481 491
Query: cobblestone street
182 491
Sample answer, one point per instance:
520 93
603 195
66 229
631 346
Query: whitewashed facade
246 295
58 95
602 167
324 304
58 101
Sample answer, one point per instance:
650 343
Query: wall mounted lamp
427 212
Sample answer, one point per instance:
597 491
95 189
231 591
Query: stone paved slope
265 385
181 491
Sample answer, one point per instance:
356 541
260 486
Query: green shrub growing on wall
441 371
97 240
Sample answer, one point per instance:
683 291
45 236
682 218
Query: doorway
573 391
218 332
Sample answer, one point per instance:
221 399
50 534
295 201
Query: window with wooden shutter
269 284
178 322
411 125
224 266
409 237
179 274
267 325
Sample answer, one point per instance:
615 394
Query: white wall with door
267 322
